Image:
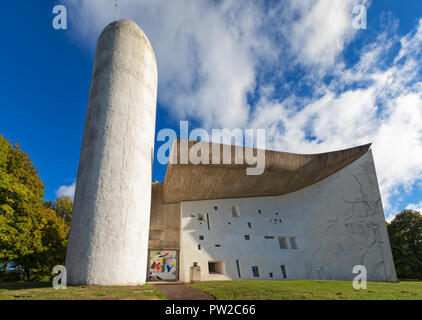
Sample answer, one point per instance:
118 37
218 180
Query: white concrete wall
108 241
338 223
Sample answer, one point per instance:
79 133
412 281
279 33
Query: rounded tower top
127 26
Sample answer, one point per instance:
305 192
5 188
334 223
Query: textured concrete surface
164 232
336 223
179 291
108 239
284 173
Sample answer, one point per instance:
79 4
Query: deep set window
283 271
283 243
255 271
235 212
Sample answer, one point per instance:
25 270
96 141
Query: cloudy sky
297 68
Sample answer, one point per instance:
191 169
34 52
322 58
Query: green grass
45 291
309 290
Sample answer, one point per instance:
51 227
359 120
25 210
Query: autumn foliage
33 235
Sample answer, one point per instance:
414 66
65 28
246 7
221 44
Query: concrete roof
284 173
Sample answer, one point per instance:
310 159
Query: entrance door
162 265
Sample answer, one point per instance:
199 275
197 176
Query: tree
32 236
63 207
21 192
405 233
54 232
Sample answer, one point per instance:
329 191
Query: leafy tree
63 207
21 192
32 236
405 233
54 232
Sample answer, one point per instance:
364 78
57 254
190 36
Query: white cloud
68 191
323 29
212 54
206 51
209 52
416 207
386 110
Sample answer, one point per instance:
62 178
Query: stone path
179 291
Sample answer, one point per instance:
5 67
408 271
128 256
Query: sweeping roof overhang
284 173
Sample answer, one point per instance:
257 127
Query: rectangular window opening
201 237
250 225
268 237
235 212
255 271
201 217
216 267
238 268
218 245
283 243
247 237
283 271
199 247
293 243
271 274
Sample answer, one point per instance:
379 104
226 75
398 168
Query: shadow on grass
24 285
410 280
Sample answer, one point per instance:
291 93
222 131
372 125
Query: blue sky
296 68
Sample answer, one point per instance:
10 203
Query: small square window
201 237
247 237
215 208
259 211
249 225
271 274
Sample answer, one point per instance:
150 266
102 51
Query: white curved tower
108 240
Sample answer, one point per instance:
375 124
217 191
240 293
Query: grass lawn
45 291
309 290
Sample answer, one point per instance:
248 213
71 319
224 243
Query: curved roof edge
283 172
